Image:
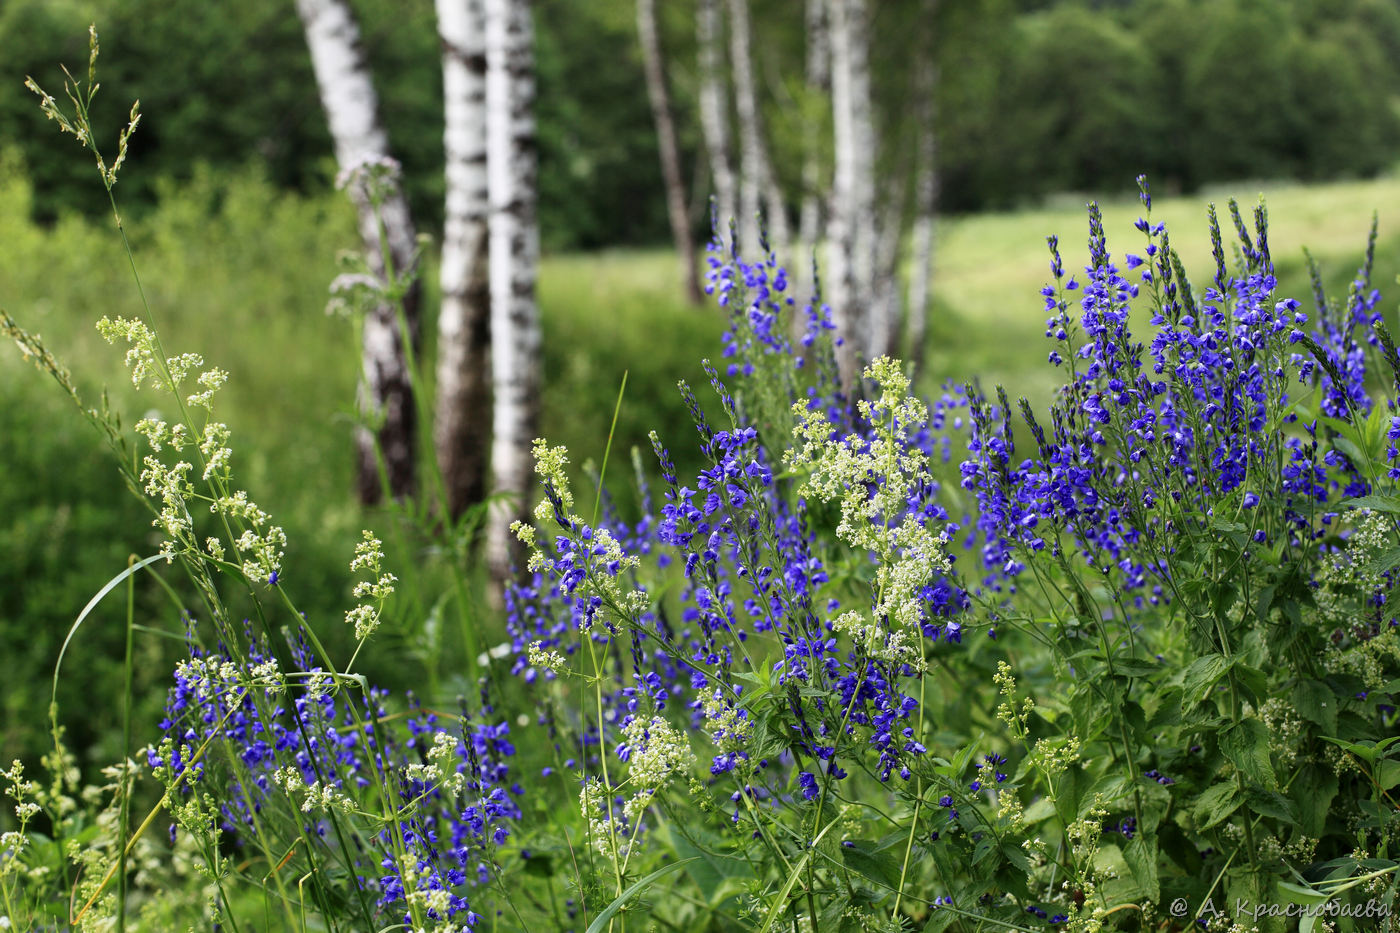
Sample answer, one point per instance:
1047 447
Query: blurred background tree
1036 96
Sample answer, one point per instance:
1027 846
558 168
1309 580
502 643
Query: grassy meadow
237 271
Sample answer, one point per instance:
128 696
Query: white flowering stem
918 803
603 762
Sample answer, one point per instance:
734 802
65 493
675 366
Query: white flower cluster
545 659
726 723
593 801
441 770
315 796
260 545
374 592
13 843
659 750
874 481
600 556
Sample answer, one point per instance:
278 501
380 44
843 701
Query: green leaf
1388 773
1376 502
1298 894
866 859
1263 602
600 922
87 610
1140 854
1216 804
1316 703
1358 458
1271 803
1384 563
1312 793
1246 743
780 902
1201 676
1366 751
1253 680
1136 667
1168 711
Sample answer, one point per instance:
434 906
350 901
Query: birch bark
385 391
514 258
462 418
818 80
925 198
757 185
714 112
852 226
666 144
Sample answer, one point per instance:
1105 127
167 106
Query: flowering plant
832 681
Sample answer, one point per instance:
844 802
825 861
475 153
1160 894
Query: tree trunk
385 391
462 422
714 114
514 257
852 226
886 298
925 197
666 144
818 80
757 185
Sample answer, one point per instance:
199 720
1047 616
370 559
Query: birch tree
818 81
757 184
352 110
514 257
462 420
666 144
851 230
714 110
925 193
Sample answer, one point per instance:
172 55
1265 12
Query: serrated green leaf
1246 744
1216 804
1168 711
1316 703
1140 854
866 859
1201 676
1270 803
1312 793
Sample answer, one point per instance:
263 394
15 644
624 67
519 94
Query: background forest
230 203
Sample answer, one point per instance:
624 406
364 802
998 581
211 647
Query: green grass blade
612 429
780 901
87 610
609 911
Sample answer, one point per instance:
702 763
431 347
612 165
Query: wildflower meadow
881 662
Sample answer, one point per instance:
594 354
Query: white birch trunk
886 297
925 202
514 258
462 419
757 186
714 114
818 79
852 227
351 107
667 146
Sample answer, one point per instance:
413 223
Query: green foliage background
1035 97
